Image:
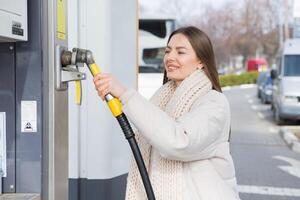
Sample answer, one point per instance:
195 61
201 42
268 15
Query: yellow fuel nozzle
94 69
113 103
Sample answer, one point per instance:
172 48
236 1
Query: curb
243 86
290 138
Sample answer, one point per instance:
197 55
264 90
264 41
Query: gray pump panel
21 82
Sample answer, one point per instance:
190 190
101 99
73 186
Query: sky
151 8
190 7
166 8
153 5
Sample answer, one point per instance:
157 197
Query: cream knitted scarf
167 177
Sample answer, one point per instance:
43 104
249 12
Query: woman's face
180 59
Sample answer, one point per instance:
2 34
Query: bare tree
237 28
181 10
242 29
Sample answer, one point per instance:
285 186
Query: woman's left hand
106 84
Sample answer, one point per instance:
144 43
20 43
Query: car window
292 65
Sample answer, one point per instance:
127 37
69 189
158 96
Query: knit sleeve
193 136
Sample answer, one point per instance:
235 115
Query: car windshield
261 77
157 27
292 65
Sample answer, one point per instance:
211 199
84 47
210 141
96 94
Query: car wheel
272 106
263 101
277 117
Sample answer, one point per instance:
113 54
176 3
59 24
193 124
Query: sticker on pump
28 116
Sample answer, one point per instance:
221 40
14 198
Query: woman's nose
170 56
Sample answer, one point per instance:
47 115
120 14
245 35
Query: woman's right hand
107 84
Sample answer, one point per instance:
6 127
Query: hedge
233 79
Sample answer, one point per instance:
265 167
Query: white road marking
245 86
254 107
278 191
292 169
273 130
260 115
250 101
247 96
291 161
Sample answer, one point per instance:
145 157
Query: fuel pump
80 57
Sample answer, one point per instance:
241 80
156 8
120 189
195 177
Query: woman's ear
200 66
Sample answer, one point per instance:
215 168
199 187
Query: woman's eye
167 51
180 52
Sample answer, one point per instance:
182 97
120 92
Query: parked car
286 80
267 86
262 76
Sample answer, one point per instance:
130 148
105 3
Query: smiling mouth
172 68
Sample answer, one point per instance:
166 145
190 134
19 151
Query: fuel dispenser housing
13 20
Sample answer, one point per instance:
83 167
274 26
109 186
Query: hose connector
77 56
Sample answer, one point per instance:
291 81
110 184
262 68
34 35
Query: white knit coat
189 158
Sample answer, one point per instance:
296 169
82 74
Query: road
266 168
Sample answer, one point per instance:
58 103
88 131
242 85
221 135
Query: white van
286 83
153 36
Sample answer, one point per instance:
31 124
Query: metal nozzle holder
66 68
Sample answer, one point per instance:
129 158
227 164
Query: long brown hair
204 51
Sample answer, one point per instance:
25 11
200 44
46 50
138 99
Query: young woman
183 131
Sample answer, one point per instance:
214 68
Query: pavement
289 136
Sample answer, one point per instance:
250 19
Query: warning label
28 126
28 116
